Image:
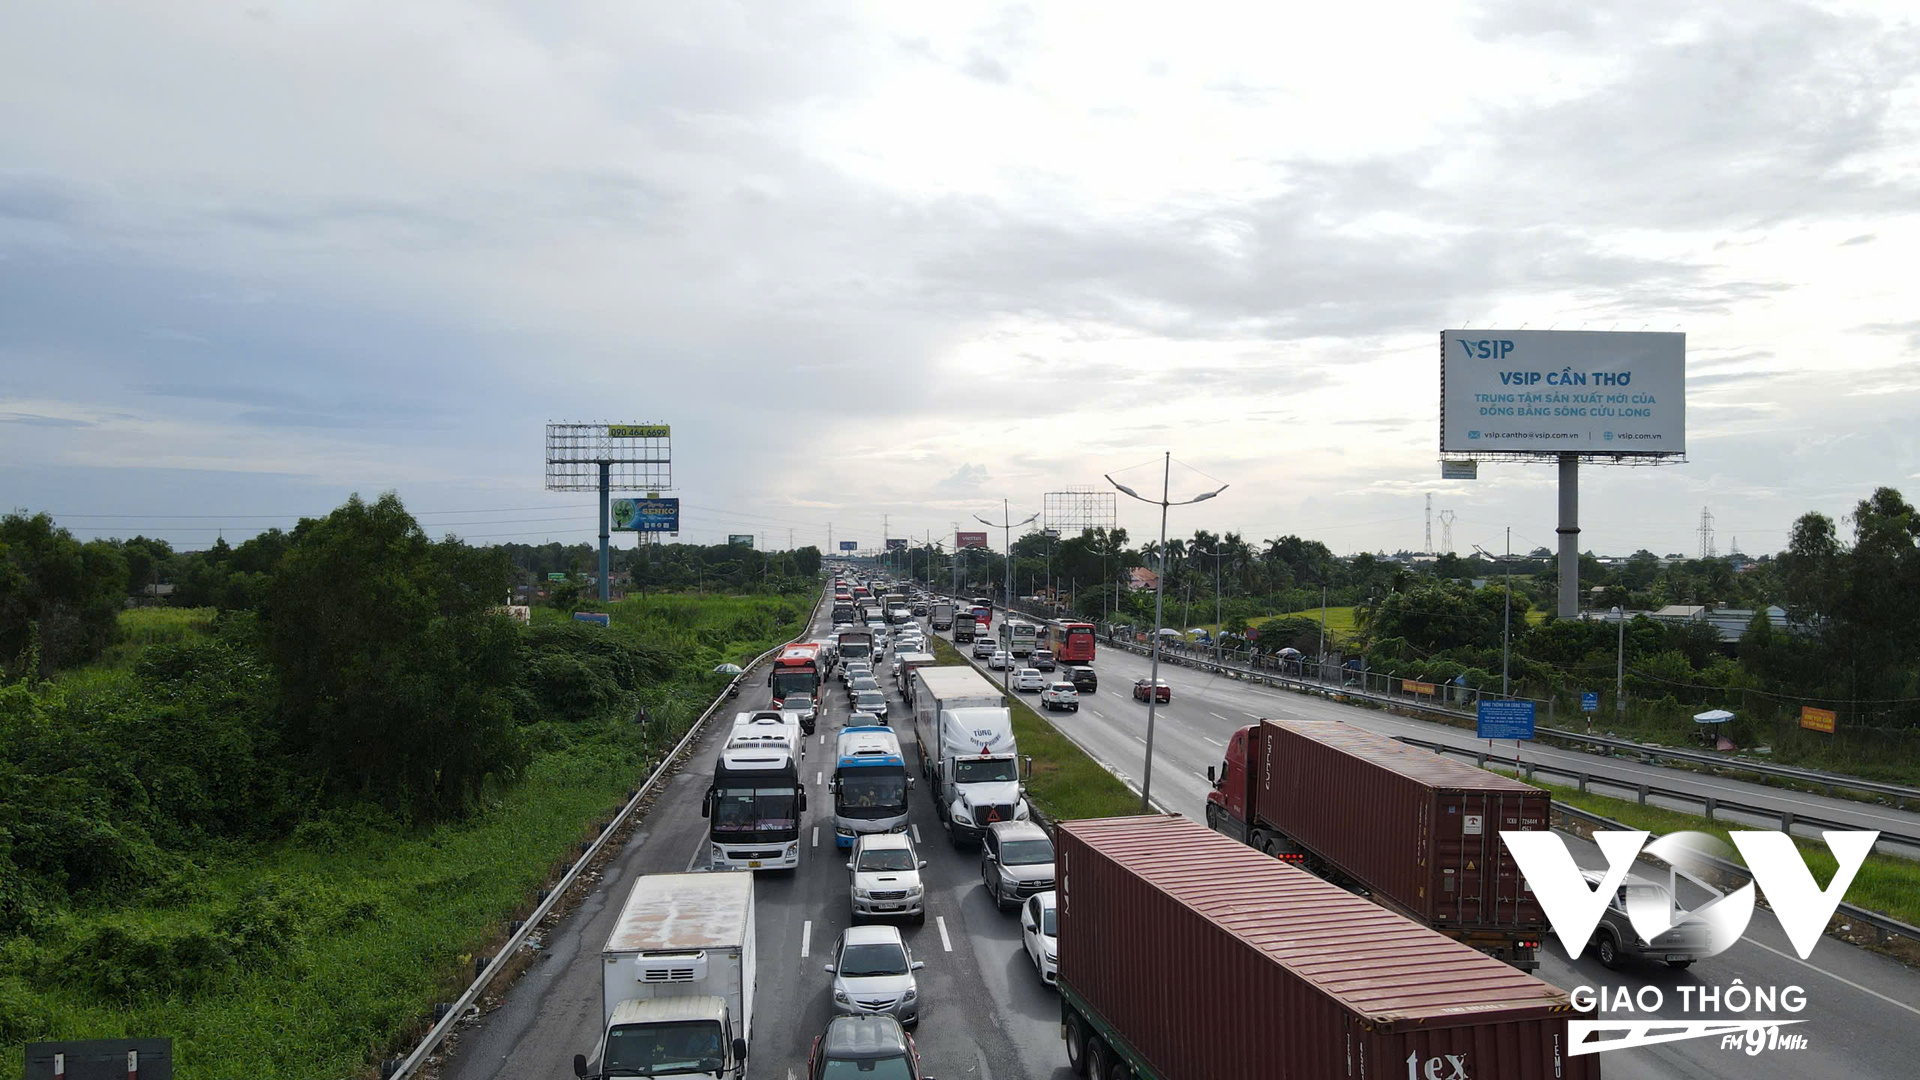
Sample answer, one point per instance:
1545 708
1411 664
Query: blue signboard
597 618
849 545
1589 702
1505 720
646 515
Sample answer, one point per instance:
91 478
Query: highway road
985 1012
987 1015
1863 1009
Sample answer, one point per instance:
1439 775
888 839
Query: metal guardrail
1827 782
1709 804
1884 926
444 1025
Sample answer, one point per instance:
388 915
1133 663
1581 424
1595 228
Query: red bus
795 671
1071 642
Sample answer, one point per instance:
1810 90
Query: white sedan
1039 930
1029 679
1060 695
999 660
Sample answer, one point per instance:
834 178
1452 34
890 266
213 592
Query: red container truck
1418 832
1186 956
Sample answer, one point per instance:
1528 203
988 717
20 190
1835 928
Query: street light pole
1159 599
1007 524
1218 626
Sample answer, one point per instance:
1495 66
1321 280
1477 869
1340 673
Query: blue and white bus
869 785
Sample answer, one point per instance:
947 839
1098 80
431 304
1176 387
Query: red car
867 1047
1140 688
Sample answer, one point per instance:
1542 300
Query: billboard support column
606 533
1569 531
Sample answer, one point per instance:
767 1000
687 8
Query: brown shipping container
1418 830
1215 962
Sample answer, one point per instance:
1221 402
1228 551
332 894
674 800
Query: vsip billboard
1562 391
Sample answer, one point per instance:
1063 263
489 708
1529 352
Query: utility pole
1506 629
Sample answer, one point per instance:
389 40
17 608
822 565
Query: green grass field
139 628
1066 783
1339 620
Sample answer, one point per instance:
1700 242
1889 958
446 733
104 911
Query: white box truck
967 751
676 980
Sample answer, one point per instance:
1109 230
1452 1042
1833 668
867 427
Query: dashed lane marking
916 832
945 941
1212 740
806 938
1217 716
816 836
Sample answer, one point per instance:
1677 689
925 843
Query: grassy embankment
1886 884
325 948
1066 783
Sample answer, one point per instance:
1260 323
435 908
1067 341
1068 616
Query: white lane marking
1213 740
916 832
816 836
697 852
816 777
1217 716
1837 978
945 941
1140 740
806 938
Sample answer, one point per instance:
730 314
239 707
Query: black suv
1084 680
864 1046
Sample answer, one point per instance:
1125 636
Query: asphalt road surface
1863 1012
985 1013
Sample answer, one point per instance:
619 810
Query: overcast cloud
909 260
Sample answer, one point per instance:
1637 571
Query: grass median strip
1066 783
1885 883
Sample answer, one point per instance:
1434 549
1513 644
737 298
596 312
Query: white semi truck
676 980
967 751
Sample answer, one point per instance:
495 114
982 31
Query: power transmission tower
1707 550
1446 531
1429 548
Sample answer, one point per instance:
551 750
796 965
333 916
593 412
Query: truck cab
660 1037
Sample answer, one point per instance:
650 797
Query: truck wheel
1099 1058
1608 951
1271 847
1076 1045
1119 1070
1213 818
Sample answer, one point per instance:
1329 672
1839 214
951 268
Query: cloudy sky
911 259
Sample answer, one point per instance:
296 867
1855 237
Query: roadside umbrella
1169 632
1288 652
727 669
1711 720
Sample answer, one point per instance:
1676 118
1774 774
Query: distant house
1142 578
1733 622
1679 613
